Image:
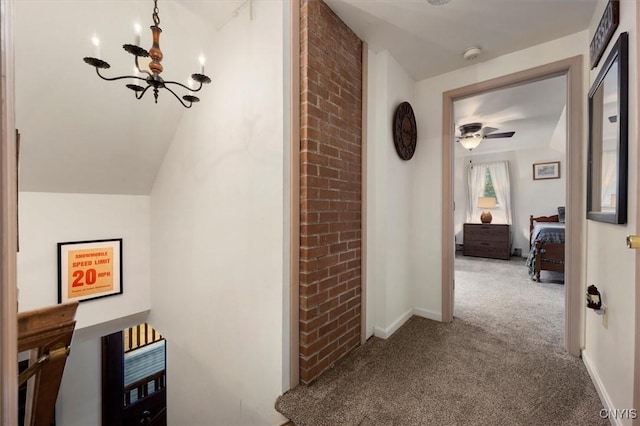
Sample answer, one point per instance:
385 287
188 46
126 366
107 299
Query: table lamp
486 203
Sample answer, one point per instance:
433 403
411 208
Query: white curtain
476 175
475 185
500 177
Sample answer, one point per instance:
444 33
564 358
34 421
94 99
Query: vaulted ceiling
85 135
82 134
534 111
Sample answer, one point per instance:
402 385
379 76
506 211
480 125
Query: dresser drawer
486 233
486 240
480 250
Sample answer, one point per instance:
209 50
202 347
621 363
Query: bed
546 240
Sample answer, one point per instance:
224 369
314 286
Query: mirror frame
619 53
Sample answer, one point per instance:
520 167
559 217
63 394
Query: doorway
134 377
571 68
500 134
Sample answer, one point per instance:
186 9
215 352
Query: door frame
636 373
572 68
8 224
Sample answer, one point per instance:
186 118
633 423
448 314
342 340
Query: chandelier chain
156 18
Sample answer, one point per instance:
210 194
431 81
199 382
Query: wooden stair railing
46 334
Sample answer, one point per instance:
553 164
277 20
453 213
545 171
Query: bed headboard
532 219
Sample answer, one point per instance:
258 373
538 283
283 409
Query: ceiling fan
471 134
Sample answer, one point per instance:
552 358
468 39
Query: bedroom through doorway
510 154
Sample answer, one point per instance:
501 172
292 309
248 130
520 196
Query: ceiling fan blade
500 135
486 130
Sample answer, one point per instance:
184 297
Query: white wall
82 379
217 221
610 265
49 218
427 223
528 196
389 191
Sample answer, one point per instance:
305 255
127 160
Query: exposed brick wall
330 188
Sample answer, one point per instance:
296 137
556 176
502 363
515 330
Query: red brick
352 303
328 217
347 276
354 283
308 265
328 239
338 269
328 305
347 296
337 311
329 283
354 323
310 337
327 261
348 316
325 329
308 326
335 291
347 256
308 302
330 188
314 252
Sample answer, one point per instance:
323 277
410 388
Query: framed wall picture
549 170
89 269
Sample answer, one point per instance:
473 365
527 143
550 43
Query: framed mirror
608 132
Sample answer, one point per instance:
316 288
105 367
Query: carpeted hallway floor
500 362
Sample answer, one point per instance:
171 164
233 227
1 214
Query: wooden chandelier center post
155 53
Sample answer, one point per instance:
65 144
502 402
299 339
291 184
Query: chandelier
140 85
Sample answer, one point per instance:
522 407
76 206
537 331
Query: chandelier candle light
153 79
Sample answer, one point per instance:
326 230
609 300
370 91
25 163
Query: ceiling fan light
470 142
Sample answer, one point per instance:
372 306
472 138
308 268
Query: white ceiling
533 111
429 40
81 134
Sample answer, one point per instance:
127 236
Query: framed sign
606 27
89 269
549 170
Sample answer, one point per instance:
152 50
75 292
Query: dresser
487 240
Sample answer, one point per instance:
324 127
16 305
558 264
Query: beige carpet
500 362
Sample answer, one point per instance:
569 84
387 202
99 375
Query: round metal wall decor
405 133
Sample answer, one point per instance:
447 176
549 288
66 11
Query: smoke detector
438 2
472 53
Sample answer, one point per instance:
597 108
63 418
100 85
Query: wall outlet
605 317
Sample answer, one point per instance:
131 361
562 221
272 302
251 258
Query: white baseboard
425 313
385 333
602 392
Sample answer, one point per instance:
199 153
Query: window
488 185
489 180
